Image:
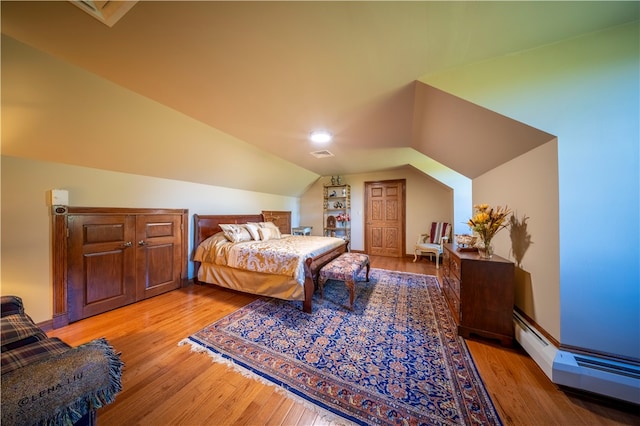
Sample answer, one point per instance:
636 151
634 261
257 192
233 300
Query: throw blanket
63 388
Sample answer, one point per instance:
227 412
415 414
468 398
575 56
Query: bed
240 270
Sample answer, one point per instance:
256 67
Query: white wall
529 186
586 92
55 111
427 201
26 218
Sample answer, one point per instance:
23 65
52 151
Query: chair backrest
438 230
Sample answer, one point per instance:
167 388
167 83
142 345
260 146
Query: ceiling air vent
107 12
322 154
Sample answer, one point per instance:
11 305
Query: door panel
100 264
158 254
384 218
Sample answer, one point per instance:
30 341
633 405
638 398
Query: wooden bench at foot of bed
346 268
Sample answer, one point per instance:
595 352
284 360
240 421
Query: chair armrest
423 238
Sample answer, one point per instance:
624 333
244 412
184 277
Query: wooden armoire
105 258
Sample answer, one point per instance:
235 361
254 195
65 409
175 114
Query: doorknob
141 243
127 244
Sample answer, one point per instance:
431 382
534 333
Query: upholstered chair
432 243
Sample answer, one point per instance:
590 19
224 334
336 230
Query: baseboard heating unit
610 378
535 344
597 375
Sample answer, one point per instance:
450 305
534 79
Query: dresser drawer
454 285
453 301
454 268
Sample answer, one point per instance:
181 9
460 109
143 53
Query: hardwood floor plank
167 384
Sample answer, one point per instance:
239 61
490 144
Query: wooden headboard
207 225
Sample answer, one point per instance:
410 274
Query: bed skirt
270 285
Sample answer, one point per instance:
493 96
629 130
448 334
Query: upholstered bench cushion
345 267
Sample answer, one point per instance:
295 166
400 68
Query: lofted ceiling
268 73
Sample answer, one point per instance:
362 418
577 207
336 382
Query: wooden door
158 254
100 264
384 218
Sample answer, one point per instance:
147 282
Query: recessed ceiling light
320 136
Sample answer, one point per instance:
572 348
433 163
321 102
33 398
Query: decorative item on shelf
337 205
486 222
344 192
339 180
333 180
332 194
331 221
466 242
343 218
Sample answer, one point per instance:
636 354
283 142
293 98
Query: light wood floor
166 384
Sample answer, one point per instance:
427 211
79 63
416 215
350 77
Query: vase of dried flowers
486 222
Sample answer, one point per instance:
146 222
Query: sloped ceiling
267 73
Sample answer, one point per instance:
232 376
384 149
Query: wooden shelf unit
337 201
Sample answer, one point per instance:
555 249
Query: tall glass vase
487 251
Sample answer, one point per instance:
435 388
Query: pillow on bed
267 234
273 227
253 230
275 231
236 233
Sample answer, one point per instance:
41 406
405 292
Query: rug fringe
326 416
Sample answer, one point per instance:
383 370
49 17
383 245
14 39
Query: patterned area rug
394 359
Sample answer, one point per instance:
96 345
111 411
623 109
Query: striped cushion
438 230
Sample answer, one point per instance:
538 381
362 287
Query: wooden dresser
480 293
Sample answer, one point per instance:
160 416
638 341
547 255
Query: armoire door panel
159 229
158 256
96 233
100 252
157 266
105 277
